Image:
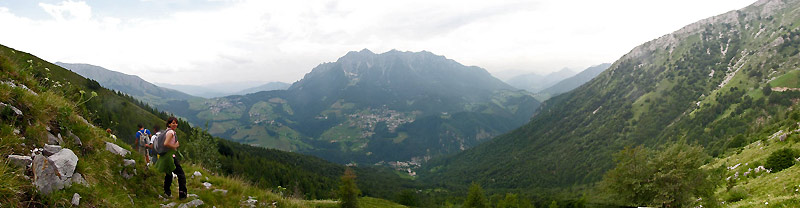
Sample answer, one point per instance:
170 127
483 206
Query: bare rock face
54 140
127 162
76 199
113 148
66 161
51 149
78 178
54 172
19 160
46 177
193 203
15 109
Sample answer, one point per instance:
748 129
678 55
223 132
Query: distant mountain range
533 82
367 107
226 89
129 84
571 83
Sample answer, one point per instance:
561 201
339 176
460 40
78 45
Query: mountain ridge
572 82
700 84
361 109
130 84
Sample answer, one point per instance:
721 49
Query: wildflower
46 69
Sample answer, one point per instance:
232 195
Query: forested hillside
369 108
129 84
43 106
714 83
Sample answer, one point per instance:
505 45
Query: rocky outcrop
51 149
78 178
21 161
127 162
54 172
16 110
129 168
113 148
193 203
66 161
46 177
54 140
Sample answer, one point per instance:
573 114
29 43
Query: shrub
735 194
780 159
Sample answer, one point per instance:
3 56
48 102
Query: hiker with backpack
151 148
142 138
166 145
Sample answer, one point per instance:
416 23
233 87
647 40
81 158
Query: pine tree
511 201
553 204
348 190
475 197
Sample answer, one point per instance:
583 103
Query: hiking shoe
181 195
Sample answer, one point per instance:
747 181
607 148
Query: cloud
194 42
68 10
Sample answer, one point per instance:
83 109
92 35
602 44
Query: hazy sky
205 41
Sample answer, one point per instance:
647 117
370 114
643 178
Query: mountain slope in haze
265 87
573 82
534 83
707 83
225 89
128 84
368 108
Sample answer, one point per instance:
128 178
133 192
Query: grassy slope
569 142
53 105
762 189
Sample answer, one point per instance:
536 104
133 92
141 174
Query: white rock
19 160
113 148
52 139
46 177
207 185
171 204
223 191
193 203
76 199
127 162
15 109
51 149
197 173
78 178
66 161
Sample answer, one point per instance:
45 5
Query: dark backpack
158 144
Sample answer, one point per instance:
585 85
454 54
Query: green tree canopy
475 197
348 190
670 178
